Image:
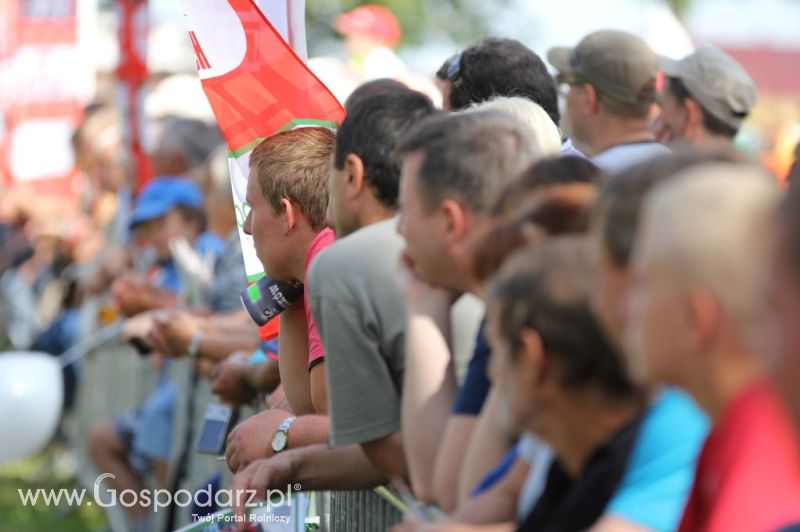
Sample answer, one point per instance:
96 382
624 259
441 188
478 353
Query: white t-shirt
622 156
539 456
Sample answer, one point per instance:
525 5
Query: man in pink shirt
288 198
316 352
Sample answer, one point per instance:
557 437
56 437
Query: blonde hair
294 165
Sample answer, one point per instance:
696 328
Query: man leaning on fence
355 296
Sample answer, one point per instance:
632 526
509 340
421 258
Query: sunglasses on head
454 70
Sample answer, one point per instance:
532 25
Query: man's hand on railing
251 439
252 483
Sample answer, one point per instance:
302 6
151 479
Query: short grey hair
469 157
706 225
546 137
190 138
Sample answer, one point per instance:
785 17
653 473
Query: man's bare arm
387 454
293 359
498 504
450 457
487 446
315 467
429 389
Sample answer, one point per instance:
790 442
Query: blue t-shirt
661 469
475 389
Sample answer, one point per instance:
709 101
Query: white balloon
31 395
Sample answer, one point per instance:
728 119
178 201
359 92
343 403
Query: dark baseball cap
718 83
618 64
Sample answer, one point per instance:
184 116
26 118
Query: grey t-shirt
360 314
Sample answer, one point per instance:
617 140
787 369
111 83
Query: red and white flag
251 67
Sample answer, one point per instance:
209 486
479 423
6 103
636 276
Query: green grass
40 472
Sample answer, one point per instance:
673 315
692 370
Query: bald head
705 228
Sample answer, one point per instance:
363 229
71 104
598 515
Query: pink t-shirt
316 352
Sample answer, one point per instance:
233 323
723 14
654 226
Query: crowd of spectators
639 280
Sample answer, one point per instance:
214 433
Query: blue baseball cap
163 194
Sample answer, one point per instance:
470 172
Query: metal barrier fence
112 379
356 511
115 379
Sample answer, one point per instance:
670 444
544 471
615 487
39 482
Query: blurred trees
679 7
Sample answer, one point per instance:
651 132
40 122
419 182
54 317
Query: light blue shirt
661 470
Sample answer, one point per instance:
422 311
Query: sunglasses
454 70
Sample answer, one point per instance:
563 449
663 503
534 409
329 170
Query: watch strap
284 427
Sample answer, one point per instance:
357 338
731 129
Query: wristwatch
281 437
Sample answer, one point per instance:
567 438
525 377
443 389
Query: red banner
255 82
132 74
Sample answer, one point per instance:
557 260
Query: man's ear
289 216
589 99
354 170
694 114
457 220
705 315
531 359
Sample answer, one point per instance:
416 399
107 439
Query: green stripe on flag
235 154
291 124
308 122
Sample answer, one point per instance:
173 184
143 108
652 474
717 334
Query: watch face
279 441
